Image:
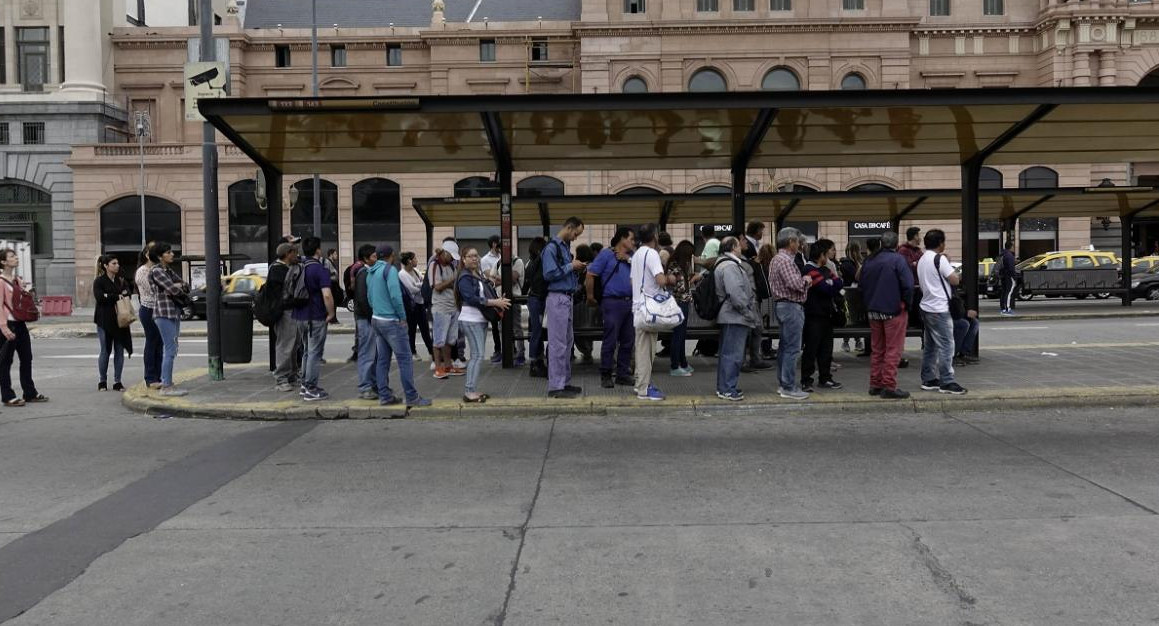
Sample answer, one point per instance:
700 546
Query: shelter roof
582 132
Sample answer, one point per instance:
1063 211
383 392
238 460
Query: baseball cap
385 250
453 248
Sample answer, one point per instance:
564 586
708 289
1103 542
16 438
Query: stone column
1082 69
87 50
1108 74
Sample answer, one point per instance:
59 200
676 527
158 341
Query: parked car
987 286
1142 264
236 283
1146 285
1066 260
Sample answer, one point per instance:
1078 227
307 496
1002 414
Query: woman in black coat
108 287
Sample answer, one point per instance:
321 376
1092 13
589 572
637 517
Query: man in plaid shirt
789 289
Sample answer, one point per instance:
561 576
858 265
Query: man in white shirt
937 279
648 279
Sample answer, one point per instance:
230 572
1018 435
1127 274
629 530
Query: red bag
23 307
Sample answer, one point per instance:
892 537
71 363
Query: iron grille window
707 5
32 57
539 50
5 139
487 50
939 7
337 55
744 5
780 5
33 133
394 55
633 6
281 56
853 5
993 7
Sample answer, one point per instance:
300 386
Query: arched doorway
302 213
26 215
121 227
248 225
377 215
1150 80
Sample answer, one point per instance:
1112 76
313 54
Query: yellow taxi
243 283
1142 264
1069 259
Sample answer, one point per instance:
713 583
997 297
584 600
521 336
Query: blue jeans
169 329
392 338
677 354
476 338
965 335
938 353
118 354
618 333
730 357
535 307
153 351
366 351
791 320
313 338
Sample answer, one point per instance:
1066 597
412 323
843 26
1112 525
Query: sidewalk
1102 374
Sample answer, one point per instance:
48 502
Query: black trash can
237 328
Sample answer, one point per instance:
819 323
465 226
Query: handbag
125 313
490 313
658 313
957 306
23 307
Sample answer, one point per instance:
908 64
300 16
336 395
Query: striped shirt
785 280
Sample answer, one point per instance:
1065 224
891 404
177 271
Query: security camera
203 77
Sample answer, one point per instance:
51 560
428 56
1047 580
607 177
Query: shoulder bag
957 307
23 307
658 313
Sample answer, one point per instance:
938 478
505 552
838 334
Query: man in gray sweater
737 316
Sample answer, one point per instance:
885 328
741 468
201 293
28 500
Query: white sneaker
791 394
460 363
432 366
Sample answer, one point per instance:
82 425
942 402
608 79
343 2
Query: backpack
533 283
23 307
294 292
704 298
263 308
362 308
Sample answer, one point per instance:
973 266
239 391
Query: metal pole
738 199
1126 223
273 229
314 62
971 171
141 145
507 284
209 201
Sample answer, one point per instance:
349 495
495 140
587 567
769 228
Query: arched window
707 79
476 187
871 187
1037 178
990 178
376 213
26 214
714 189
639 190
121 223
302 213
796 188
534 186
1150 80
853 81
248 224
634 84
781 79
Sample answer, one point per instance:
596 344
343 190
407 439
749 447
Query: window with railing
33 133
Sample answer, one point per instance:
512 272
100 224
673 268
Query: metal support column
971 171
209 203
501 152
1127 222
273 228
738 199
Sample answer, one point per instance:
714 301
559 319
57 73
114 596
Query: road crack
943 579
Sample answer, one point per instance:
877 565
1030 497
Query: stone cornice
961 31
704 28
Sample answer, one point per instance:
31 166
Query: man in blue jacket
887 284
388 321
559 271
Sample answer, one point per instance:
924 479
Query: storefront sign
864 229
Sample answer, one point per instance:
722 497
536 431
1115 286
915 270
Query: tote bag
659 313
125 313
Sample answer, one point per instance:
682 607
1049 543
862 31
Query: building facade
589 46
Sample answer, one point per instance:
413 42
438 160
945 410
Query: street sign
205 79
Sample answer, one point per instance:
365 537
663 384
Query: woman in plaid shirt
171 293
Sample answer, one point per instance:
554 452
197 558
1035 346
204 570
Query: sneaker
102 386
441 373
807 387
1007 313
173 392
414 357
625 381
459 364
952 388
931 385
433 367
690 369
902 364
793 394
959 362
831 385
970 359
875 391
284 387
731 397
562 394
314 395
368 395
680 372
520 361
420 402
457 371
894 394
391 401
573 389
496 358
653 394
607 382
537 370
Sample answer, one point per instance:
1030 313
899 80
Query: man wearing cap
388 321
441 275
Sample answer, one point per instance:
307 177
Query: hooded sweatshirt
384 290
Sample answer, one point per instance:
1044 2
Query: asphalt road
112 518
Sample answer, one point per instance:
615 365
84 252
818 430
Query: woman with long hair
817 355
536 290
849 266
685 279
108 287
171 293
17 341
416 318
472 295
148 299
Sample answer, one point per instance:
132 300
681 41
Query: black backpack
534 284
704 298
362 309
294 292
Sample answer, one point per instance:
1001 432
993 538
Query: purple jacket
886 283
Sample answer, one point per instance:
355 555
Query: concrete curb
85 332
141 399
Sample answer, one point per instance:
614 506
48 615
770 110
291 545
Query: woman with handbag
172 295
152 353
111 293
478 307
820 309
19 307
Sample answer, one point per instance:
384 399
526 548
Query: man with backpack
737 316
363 337
613 295
284 326
312 316
388 304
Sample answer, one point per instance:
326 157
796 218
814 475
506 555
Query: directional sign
202 80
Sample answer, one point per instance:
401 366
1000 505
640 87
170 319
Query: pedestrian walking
738 315
559 271
789 288
849 266
441 277
364 336
152 353
887 287
474 295
648 281
313 317
171 296
287 342
384 292
1008 277
417 319
608 284
825 287
937 277
536 289
17 341
682 279
115 340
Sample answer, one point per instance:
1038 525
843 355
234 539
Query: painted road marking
989 327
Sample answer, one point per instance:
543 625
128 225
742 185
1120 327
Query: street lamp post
314 54
142 125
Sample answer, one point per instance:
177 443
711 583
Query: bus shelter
968 129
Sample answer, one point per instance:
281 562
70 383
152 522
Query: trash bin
237 328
